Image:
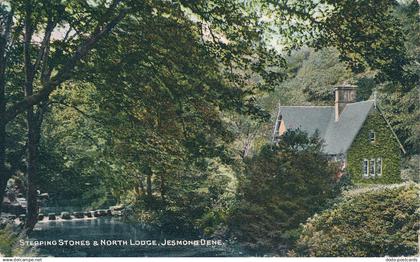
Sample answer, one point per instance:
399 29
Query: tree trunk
149 184
4 176
4 41
3 172
141 186
31 194
31 197
162 187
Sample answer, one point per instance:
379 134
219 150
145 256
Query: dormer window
372 136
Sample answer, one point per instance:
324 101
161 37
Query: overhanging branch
65 72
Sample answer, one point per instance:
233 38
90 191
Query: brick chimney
344 94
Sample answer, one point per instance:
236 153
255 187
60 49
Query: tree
73 164
314 73
46 63
229 34
401 107
376 221
281 187
366 33
171 127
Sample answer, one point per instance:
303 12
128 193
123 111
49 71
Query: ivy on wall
385 146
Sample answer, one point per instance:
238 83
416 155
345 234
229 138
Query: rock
14 208
51 216
22 202
109 212
100 213
88 214
43 196
117 213
22 217
117 208
40 216
65 215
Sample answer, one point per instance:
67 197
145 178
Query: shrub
372 221
282 186
9 242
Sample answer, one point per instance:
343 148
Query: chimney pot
344 94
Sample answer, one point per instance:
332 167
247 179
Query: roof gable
337 135
307 118
340 134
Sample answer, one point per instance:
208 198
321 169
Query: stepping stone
51 216
65 215
100 213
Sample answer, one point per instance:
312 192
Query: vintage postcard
209 128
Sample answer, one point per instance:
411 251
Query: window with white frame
372 167
372 136
365 168
379 167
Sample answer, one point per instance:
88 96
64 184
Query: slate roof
338 136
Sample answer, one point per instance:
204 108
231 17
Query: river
127 242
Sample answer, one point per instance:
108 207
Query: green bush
371 221
282 186
199 208
9 242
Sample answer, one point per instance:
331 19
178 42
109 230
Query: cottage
356 134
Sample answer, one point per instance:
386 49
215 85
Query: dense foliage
281 187
400 102
312 75
384 146
10 238
73 165
373 221
158 104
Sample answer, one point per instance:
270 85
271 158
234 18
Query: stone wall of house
385 147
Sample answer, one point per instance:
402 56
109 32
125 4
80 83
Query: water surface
114 228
